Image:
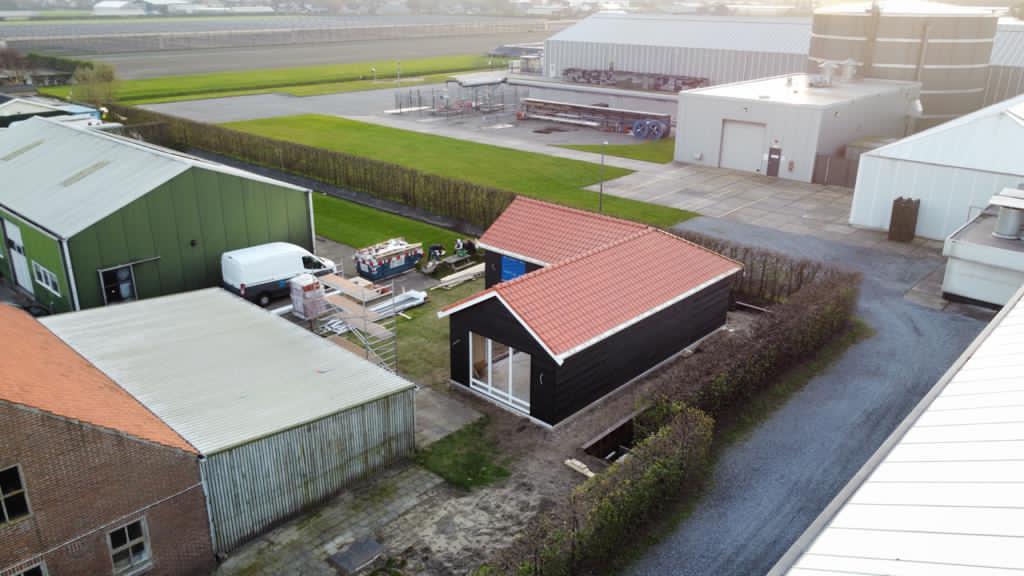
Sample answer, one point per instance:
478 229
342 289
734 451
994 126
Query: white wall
880 115
699 130
718 66
949 196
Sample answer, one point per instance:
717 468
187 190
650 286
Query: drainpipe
71 275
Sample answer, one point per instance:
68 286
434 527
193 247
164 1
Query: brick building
91 482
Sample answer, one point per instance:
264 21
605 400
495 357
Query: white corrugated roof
908 8
219 370
990 139
1008 45
777 35
65 178
945 494
796 89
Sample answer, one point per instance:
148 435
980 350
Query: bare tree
95 85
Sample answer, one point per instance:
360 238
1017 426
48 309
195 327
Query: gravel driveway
768 488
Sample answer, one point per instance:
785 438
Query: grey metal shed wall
1004 82
719 66
252 486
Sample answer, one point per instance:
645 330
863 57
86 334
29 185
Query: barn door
16 248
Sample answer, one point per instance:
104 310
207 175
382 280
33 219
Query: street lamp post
600 193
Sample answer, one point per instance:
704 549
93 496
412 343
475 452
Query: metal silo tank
946 48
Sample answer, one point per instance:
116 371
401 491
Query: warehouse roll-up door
743 145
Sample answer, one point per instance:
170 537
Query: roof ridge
695 245
580 211
582 255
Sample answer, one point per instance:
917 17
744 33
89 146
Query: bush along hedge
812 303
61 63
457 199
606 510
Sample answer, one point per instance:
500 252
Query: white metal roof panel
775 35
65 178
1008 45
987 140
945 494
219 370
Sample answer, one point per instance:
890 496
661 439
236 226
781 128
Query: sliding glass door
500 371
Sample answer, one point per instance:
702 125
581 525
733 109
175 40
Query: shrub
588 530
465 201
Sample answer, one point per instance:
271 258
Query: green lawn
538 175
423 341
358 225
304 80
660 151
465 458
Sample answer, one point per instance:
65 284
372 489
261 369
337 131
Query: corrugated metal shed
989 140
768 35
48 166
219 370
953 168
943 494
1008 46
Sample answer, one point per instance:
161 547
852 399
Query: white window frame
506 398
103 286
134 568
45 278
4 519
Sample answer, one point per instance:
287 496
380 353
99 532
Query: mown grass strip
221 84
466 458
538 175
658 151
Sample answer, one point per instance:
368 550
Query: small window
118 284
37 570
311 263
13 499
45 278
129 548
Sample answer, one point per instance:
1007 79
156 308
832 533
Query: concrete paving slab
438 415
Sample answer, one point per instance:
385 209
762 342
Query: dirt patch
453 532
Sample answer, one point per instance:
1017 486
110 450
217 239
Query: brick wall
81 480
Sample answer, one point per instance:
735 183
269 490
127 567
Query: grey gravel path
768 488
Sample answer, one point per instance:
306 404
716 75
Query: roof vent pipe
1009 223
849 68
828 71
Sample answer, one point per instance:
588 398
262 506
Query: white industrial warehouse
779 126
954 169
942 495
722 50
281 418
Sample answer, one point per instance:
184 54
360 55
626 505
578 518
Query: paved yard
768 488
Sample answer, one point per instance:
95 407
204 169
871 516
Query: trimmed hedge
605 510
61 63
813 303
461 200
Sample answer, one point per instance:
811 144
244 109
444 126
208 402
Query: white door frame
19 262
506 398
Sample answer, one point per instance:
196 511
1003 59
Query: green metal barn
89 218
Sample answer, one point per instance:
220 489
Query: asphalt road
171 63
151 25
768 488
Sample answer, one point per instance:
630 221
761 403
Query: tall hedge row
62 63
457 199
589 529
811 304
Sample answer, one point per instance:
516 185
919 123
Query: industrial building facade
90 218
281 419
779 126
954 169
90 481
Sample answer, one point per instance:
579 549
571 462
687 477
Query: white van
261 273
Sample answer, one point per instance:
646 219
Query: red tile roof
546 233
573 304
39 370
